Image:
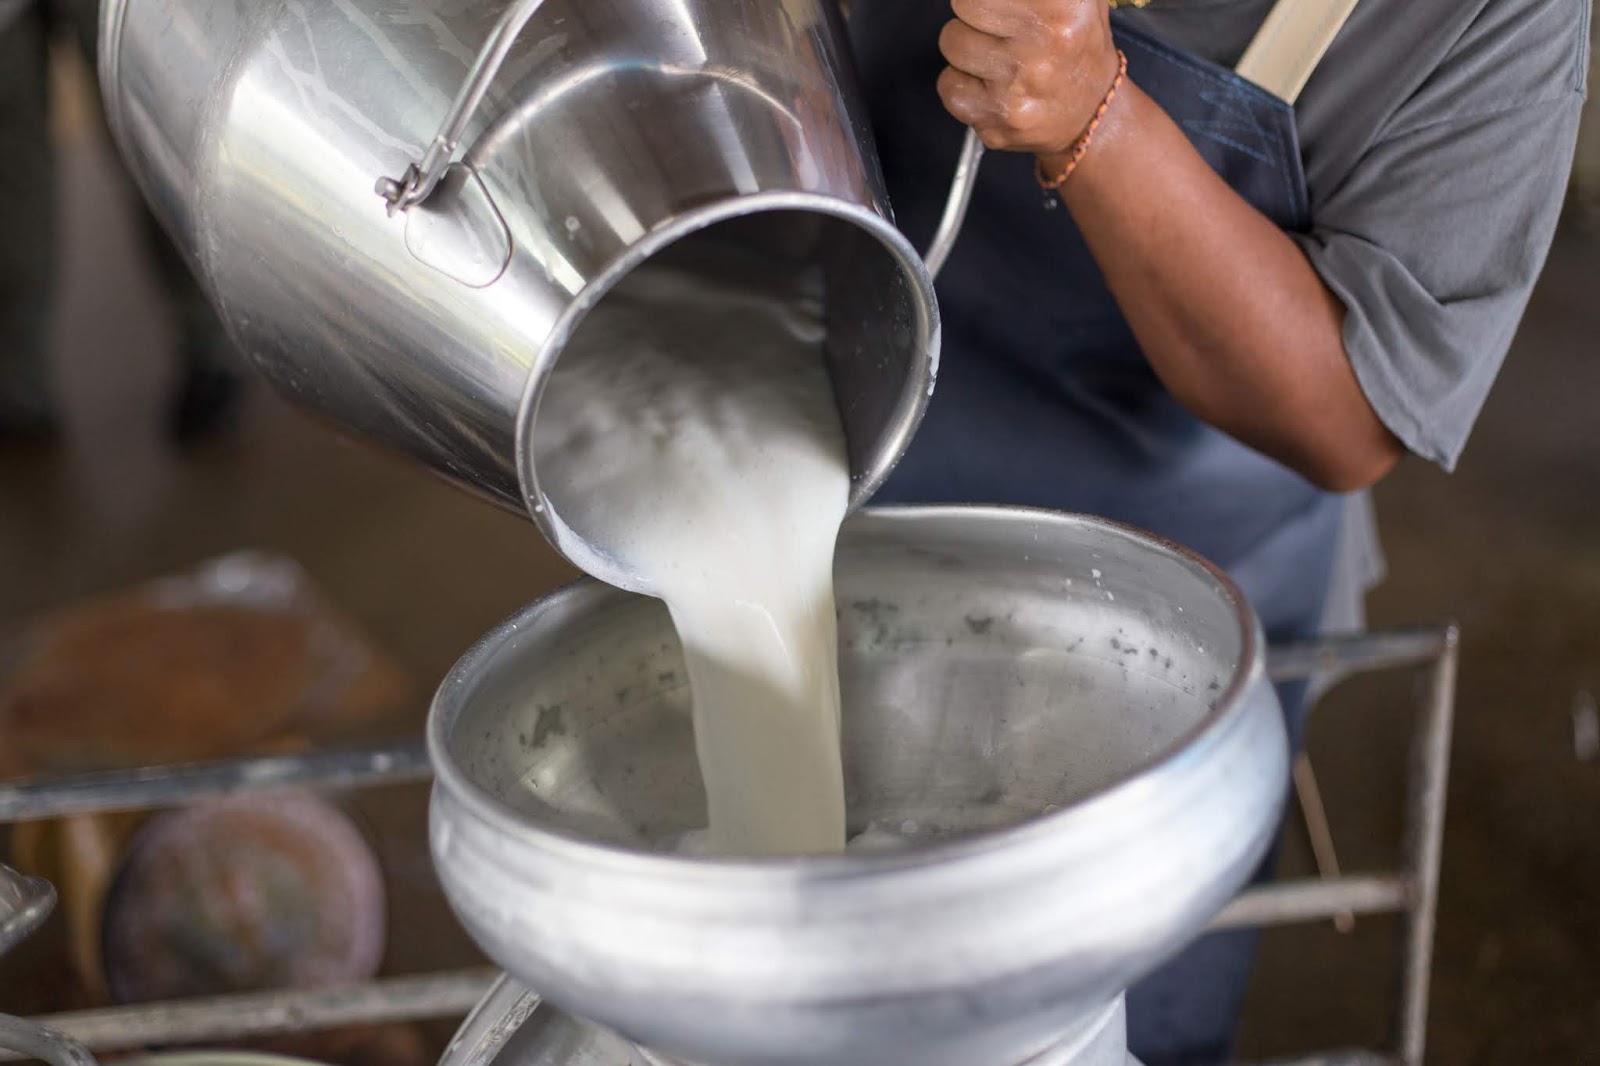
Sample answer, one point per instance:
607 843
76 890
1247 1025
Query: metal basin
1061 728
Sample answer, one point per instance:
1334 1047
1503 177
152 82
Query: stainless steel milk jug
405 209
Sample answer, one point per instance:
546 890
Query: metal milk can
405 209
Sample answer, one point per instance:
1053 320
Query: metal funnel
1063 725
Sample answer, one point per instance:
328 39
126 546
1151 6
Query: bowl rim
1228 711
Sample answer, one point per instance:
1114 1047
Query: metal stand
1412 891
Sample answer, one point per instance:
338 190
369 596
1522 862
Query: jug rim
898 432
1228 712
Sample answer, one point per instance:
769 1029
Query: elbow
1343 468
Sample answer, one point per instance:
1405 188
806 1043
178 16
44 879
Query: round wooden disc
249 892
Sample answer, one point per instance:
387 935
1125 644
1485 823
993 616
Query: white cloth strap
1291 42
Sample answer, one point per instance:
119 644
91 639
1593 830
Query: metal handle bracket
422 177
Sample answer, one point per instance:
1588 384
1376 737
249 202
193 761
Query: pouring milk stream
708 463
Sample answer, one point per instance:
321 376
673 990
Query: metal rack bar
1413 892
1424 845
150 787
1311 900
1315 816
1338 657
1438 649
252 1014
1338 1058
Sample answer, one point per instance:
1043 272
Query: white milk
709 466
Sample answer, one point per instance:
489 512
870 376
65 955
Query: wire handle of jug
422 177
955 207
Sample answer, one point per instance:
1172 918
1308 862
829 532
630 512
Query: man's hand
1230 313
1027 74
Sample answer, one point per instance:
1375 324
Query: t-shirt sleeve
1435 238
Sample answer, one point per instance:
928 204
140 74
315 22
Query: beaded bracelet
1081 146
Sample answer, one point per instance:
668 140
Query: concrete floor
1509 546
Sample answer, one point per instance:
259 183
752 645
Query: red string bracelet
1081 146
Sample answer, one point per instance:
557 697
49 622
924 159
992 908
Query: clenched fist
1027 74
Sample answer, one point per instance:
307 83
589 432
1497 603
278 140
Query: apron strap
1291 42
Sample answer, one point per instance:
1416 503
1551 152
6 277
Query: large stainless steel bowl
1065 721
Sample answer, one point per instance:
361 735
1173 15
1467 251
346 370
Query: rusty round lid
248 892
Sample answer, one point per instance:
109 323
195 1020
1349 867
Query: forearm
1230 313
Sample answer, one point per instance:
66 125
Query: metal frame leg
1424 847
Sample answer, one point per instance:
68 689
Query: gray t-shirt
1438 137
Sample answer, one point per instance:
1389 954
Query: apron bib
1044 396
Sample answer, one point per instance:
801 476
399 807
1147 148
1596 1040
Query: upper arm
1435 238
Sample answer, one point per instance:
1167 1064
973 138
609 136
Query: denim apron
1045 399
